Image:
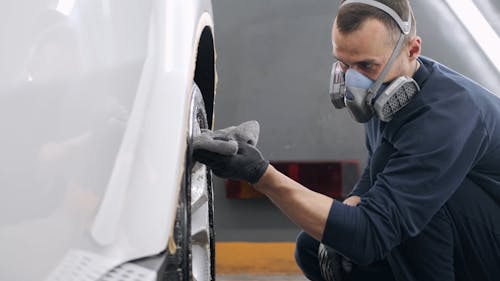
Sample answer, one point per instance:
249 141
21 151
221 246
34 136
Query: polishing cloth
225 141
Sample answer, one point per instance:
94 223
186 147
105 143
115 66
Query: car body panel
95 99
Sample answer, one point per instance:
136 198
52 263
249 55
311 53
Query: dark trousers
461 242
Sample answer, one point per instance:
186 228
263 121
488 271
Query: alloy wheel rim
200 183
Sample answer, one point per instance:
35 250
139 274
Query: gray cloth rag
225 141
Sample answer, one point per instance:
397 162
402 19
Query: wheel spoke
199 186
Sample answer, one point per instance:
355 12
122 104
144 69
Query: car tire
194 235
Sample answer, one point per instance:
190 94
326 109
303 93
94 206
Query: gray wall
274 60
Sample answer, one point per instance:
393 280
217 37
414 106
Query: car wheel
194 236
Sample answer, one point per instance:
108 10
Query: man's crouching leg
306 256
319 262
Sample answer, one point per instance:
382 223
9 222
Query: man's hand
247 164
352 201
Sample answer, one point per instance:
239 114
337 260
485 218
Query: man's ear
415 47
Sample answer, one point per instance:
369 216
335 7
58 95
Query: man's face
367 50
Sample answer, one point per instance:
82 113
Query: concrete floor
253 277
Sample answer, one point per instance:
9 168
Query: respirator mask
364 97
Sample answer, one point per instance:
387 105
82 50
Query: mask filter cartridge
395 97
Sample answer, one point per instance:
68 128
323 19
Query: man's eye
366 66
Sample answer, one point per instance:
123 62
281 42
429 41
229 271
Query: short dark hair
350 17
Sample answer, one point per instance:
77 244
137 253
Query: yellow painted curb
255 258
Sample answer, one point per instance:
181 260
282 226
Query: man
427 206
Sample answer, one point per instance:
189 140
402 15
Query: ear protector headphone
363 97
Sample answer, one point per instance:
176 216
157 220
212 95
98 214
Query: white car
99 101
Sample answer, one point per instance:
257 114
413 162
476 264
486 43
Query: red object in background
334 179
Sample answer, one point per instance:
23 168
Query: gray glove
247 164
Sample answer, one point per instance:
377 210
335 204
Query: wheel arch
205 71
